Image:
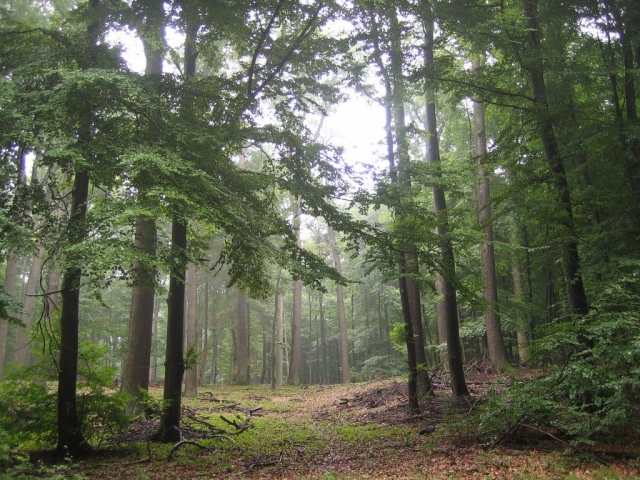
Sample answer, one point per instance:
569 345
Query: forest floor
343 432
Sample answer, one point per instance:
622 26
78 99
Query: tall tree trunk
277 335
205 333
191 375
71 440
153 363
11 275
136 364
22 347
441 319
410 261
524 351
450 302
242 339
345 376
495 339
296 317
578 302
70 437
169 429
323 343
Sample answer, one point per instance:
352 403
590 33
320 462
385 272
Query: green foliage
16 465
382 366
592 388
30 402
191 357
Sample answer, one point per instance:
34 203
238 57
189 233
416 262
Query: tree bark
495 339
205 333
70 437
345 374
168 431
136 364
409 263
524 351
578 302
242 339
296 317
191 375
11 275
450 302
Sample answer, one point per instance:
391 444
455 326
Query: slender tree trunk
11 275
191 375
71 440
450 303
578 302
441 319
70 437
495 339
345 376
205 333
169 430
524 351
276 336
22 348
404 179
296 317
136 364
153 362
242 338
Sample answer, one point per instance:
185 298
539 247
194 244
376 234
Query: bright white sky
356 125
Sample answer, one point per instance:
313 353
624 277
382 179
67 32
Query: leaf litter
356 431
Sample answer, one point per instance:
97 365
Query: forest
190 222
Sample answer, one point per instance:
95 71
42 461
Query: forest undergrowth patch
345 432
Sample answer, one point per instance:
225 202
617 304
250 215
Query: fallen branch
255 465
184 442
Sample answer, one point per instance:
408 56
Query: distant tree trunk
11 275
324 370
22 344
153 363
296 317
441 319
578 302
242 339
205 333
22 348
450 305
524 351
191 375
277 335
345 376
495 339
136 364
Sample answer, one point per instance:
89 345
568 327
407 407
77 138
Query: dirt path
342 432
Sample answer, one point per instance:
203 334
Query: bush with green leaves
382 366
28 398
592 387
